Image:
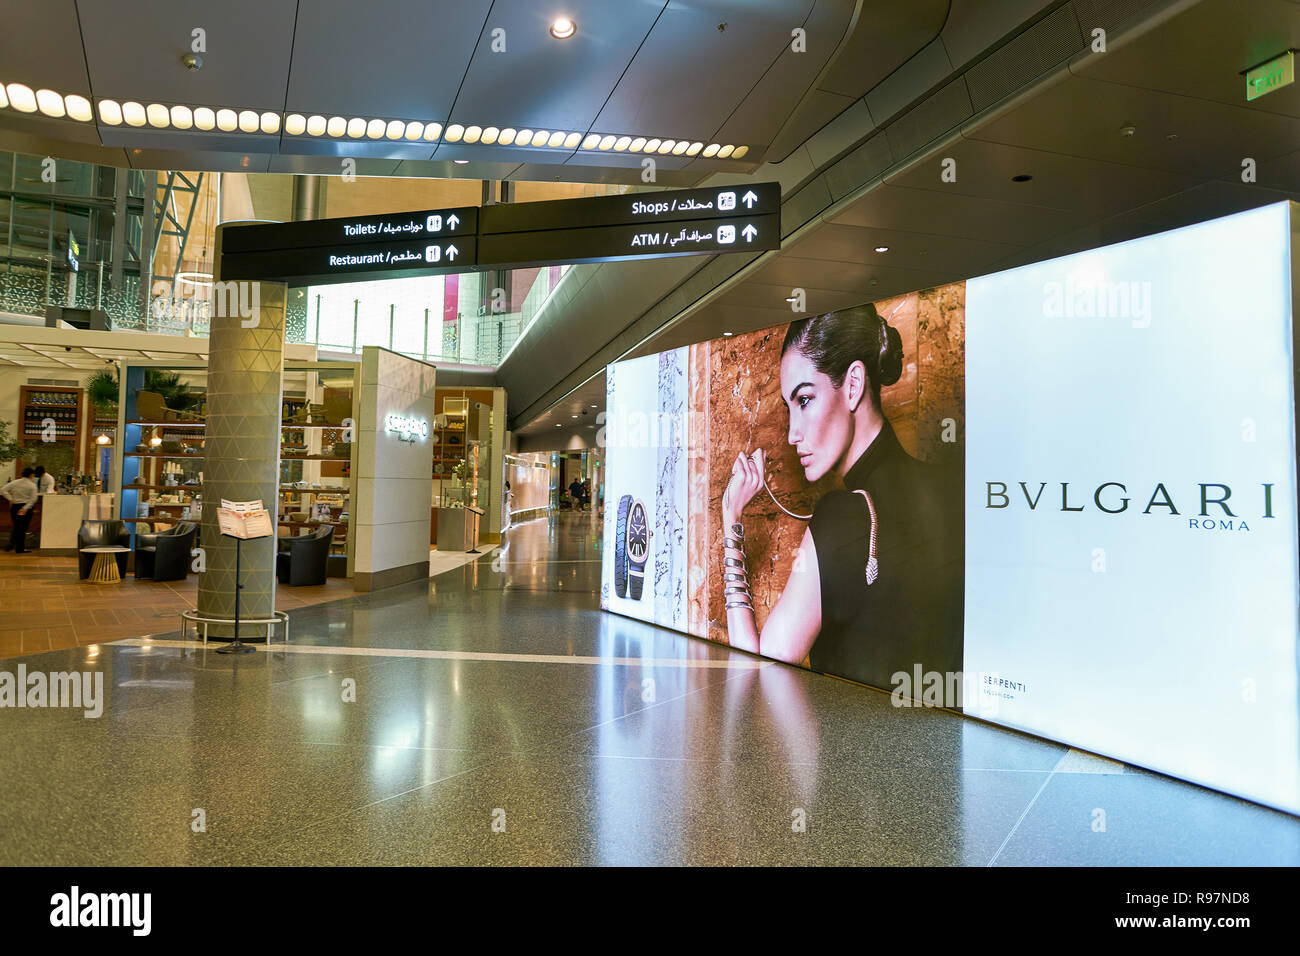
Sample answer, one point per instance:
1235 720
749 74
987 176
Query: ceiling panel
953 214
214 162
1084 118
330 165
541 82
761 115
792 271
134 50
687 53
886 35
1086 187
924 251
401 59
1177 58
40 45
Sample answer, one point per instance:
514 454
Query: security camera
192 61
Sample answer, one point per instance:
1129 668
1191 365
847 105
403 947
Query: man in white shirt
22 494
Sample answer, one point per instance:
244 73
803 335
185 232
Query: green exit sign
1273 75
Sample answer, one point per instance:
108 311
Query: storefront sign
407 428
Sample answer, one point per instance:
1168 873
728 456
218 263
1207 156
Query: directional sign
611 243
675 205
647 225
321 265
393 227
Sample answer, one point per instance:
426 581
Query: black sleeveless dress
912 613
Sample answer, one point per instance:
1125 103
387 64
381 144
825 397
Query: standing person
586 494
22 494
575 492
44 481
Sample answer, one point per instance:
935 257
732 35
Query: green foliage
101 389
176 394
9 447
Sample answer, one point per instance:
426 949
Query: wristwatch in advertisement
620 546
638 548
631 548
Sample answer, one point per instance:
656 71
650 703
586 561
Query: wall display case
463 452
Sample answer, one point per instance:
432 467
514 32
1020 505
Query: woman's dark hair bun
891 355
835 340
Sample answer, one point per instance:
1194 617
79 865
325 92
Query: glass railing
437 319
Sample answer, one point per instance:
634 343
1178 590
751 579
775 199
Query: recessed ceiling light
557 424
882 248
728 333
79 107
563 28
22 98
110 112
460 162
573 416
50 103
1022 178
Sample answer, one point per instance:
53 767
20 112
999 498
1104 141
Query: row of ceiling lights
112 113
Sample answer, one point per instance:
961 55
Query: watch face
638 534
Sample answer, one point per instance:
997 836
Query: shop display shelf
313 458
135 421
146 487
180 456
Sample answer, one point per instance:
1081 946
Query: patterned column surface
242 450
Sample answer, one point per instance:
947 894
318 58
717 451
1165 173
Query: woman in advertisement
876 588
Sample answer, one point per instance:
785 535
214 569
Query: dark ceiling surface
1175 83
706 71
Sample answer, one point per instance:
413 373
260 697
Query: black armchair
165 555
101 534
304 559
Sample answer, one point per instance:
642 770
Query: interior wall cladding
741 404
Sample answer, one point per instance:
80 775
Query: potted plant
10 449
102 391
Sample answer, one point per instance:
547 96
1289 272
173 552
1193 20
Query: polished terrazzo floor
499 717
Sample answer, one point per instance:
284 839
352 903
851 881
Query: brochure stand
241 520
473 541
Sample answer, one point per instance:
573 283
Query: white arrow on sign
749 232
749 199
452 220
451 251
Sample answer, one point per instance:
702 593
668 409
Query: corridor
494 715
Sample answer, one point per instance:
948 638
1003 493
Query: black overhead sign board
394 227
743 218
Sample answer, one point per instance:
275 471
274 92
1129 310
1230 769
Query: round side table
104 570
